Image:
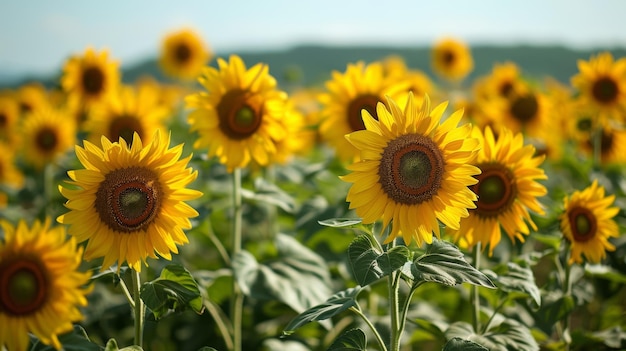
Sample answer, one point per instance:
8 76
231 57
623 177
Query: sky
37 36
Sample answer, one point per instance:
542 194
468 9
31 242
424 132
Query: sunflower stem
358 311
475 295
396 332
127 294
138 308
221 322
236 305
597 145
48 186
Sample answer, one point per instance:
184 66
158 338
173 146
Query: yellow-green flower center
182 53
125 126
583 224
129 199
366 102
411 169
93 80
238 119
525 108
23 286
605 90
46 139
496 190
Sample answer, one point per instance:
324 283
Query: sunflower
587 223
612 143
452 59
601 82
127 111
241 116
128 201
47 134
503 82
9 116
41 289
90 78
9 173
507 187
183 54
31 97
360 87
413 170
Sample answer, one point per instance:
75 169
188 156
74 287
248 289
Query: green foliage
507 335
112 346
370 264
458 344
75 340
351 340
518 279
174 290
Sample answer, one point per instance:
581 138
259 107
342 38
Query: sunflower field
389 207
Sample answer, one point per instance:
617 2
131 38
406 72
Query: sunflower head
128 201
241 115
587 224
507 188
47 134
9 117
183 54
90 78
413 171
452 59
41 288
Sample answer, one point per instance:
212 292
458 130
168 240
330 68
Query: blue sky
37 36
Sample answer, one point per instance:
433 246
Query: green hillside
311 65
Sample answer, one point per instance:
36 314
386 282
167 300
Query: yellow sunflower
612 144
507 188
128 202
46 135
183 54
452 59
601 82
126 112
9 173
240 117
587 223
9 117
413 170
503 82
360 87
90 78
31 97
41 289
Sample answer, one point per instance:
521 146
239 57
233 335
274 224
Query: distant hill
312 64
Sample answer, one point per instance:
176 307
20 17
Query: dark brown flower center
25 107
124 126
182 53
605 90
4 120
496 190
583 223
93 80
359 103
24 287
238 119
525 108
46 139
448 57
411 169
505 89
129 199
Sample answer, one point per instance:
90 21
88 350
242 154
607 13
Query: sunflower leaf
518 279
74 340
340 222
174 290
443 263
270 194
458 344
506 335
370 264
297 277
336 304
353 339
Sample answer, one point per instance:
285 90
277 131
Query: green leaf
174 290
271 194
75 340
112 346
519 279
556 306
353 339
458 344
370 264
605 272
507 335
336 304
340 222
206 348
444 263
299 277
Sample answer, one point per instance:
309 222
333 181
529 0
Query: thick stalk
475 295
371 326
138 308
236 306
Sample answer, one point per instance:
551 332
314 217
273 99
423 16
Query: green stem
475 295
394 287
138 308
222 325
597 144
218 245
127 294
371 326
406 305
48 186
236 306
495 312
